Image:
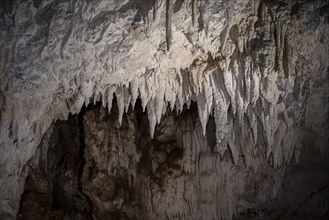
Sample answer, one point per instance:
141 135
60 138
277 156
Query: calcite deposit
214 104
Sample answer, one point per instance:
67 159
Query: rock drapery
257 70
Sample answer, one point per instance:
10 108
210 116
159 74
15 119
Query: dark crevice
143 8
211 133
200 18
285 55
178 5
81 148
193 12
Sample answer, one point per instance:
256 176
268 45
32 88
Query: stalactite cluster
255 71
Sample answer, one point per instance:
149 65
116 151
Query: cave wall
53 188
259 67
175 175
91 167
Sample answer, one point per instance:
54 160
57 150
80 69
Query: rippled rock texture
254 75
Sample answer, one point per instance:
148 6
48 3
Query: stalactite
194 6
154 10
249 104
169 12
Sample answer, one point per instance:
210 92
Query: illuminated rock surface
228 93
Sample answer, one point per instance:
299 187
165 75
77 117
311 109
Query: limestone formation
256 72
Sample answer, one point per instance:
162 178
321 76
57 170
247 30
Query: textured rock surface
304 193
259 67
53 185
127 175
